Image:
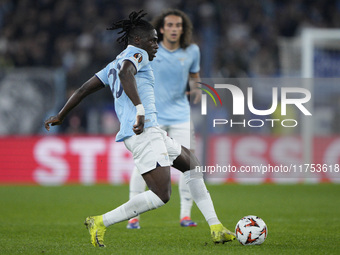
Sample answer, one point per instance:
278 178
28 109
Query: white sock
201 196
140 203
185 197
137 184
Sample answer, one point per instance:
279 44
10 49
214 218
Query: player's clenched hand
195 95
53 120
139 125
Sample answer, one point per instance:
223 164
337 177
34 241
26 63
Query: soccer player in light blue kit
177 62
131 80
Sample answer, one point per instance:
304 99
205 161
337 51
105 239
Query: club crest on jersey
138 56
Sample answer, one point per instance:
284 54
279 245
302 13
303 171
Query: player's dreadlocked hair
131 27
158 23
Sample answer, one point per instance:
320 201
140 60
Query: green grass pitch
302 219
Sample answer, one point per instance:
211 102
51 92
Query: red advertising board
57 160
257 158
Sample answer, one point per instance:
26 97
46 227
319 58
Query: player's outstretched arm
128 81
89 87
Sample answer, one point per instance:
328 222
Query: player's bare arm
89 87
195 93
128 81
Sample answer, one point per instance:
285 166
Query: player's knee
186 161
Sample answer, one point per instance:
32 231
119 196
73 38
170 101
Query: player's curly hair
186 37
131 27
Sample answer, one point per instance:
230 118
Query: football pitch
301 219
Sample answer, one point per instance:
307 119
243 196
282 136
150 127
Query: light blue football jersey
125 110
171 70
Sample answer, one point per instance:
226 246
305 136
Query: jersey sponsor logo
182 60
138 56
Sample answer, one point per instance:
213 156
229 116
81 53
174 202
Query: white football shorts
183 133
152 148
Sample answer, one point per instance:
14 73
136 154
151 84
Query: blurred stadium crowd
238 38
